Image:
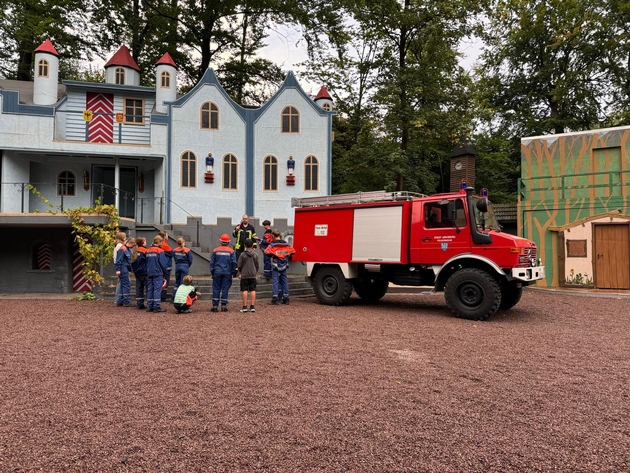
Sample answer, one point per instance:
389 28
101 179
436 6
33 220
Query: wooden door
612 256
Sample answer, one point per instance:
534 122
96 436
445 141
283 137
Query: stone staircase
299 286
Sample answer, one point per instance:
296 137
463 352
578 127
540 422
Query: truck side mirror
452 211
482 205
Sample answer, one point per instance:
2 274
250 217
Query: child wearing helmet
222 266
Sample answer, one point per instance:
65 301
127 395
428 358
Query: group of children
152 268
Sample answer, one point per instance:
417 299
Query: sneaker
141 307
252 309
149 310
244 309
214 309
161 309
224 308
187 311
285 301
273 302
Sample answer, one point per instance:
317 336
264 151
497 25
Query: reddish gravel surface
396 387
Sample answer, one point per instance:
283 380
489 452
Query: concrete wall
16 255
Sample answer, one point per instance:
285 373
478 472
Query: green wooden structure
572 187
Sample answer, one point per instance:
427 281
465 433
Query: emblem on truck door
444 246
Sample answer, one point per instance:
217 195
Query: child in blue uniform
123 267
183 260
222 266
280 251
156 272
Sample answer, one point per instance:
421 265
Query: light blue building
160 158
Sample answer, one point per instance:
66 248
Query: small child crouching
185 296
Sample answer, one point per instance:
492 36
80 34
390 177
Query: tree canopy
392 67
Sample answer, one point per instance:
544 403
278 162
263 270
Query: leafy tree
544 68
25 24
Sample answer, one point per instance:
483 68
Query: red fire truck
448 242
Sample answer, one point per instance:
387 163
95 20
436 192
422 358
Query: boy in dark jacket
248 269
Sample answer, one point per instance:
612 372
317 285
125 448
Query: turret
122 68
323 99
45 83
165 82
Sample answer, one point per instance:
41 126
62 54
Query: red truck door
437 233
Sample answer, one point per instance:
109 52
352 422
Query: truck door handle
427 239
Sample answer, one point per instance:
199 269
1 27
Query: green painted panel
566 178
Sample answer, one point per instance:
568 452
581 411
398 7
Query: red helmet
225 238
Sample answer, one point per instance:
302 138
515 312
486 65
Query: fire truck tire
331 287
371 289
511 294
472 294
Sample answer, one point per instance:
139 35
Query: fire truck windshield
486 220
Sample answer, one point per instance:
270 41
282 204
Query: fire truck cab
446 242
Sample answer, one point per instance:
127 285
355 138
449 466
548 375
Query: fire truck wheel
472 294
511 293
371 289
331 287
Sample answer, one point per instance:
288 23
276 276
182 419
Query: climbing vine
93 240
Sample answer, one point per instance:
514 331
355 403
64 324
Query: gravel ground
396 387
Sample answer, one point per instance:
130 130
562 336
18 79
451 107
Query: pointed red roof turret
322 94
166 59
47 47
122 57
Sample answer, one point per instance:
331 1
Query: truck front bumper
529 274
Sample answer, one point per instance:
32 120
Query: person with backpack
280 252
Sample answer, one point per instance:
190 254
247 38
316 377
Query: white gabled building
147 151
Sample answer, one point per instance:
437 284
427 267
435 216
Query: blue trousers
221 284
141 289
181 270
124 294
154 291
267 266
279 285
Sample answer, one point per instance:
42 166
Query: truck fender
350 271
443 272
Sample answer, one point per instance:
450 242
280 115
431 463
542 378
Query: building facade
574 202
161 158
148 151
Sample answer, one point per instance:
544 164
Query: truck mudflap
529 274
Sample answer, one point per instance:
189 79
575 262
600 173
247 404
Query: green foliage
93 240
25 24
86 296
579 279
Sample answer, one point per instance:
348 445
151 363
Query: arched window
290 120
188 169
270 171
66 183
210 116
326 106
230 172
119 77
165 80
42 68
311 174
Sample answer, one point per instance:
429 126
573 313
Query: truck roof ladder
354 198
